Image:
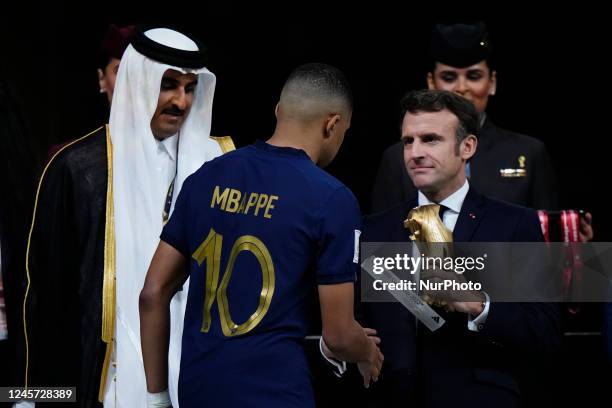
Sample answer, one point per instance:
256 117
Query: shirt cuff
339 365
476 324
158 400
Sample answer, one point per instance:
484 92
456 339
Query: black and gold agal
186 58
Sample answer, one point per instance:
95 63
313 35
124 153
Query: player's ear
331 123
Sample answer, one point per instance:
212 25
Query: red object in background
543 216
572 272
3 328
569 233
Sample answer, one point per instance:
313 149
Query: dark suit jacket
454 366
497 149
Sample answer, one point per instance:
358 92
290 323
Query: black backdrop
552 84
551 74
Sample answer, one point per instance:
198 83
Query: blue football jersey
262 227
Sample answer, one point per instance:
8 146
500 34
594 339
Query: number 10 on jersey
210 251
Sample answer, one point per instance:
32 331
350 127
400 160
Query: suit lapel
470 216
403 232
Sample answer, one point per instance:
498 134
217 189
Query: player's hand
371 333
370 369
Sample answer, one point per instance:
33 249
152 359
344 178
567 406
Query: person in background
113 45
508 166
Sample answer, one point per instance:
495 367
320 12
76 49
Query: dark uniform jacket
498 149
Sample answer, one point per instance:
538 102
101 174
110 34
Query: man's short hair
312 88
435 101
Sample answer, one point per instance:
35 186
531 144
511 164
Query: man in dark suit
471 360
508 166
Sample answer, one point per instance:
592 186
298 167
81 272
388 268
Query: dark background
552 84
551 74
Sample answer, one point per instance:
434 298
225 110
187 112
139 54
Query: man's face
175 99
432 159
107 77
475 83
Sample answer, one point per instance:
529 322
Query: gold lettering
251 202
242 202
219 198
270 206
233 200
261 203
